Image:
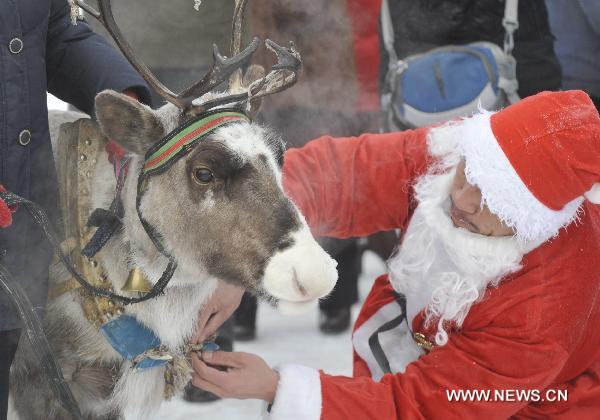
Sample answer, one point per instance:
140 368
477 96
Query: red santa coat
539 330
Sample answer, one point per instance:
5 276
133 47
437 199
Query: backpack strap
387 31
511 24
510 85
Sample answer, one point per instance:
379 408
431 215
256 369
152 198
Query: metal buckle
423 342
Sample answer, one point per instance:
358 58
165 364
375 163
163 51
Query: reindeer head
219 208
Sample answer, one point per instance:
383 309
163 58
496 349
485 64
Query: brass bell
137 282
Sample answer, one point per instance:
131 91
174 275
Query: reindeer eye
203 175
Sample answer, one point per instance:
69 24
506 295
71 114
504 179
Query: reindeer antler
221 69
283 74
235 81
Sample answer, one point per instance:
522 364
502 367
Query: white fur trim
593 194
298 394
503 191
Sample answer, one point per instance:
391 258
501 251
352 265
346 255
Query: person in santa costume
495 286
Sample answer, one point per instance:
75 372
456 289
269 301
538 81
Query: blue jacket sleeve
591 10
81 63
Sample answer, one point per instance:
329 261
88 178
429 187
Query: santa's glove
6 211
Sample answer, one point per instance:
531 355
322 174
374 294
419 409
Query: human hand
221 305
235 375
6 211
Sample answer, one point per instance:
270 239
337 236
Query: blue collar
130 339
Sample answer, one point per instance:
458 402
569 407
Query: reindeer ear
253 73
134 126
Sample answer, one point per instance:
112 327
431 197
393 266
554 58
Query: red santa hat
536 161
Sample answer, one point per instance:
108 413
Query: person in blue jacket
576 26
40 51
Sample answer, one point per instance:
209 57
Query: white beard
444 269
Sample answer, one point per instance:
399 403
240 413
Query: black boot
334 321
245 319
335 308
197 395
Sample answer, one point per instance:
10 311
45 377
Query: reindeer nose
297 283
302 272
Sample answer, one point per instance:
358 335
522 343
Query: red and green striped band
180 140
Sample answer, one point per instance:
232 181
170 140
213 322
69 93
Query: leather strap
41 219
511 24
108 221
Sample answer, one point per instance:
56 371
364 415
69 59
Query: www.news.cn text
507 395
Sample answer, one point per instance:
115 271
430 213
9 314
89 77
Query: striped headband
179 141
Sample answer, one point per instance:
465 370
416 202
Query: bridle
160 157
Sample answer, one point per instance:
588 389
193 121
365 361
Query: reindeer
217 210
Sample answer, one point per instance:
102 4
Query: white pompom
593 194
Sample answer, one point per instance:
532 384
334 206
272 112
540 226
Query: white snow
55 103
283 339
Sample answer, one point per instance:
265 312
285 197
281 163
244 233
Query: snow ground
55 103
283 339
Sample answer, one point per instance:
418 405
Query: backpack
450 81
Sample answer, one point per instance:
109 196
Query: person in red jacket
490 306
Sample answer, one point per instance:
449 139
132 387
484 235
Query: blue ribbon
130 339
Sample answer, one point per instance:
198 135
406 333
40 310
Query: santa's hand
5 211
235 375
221 305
